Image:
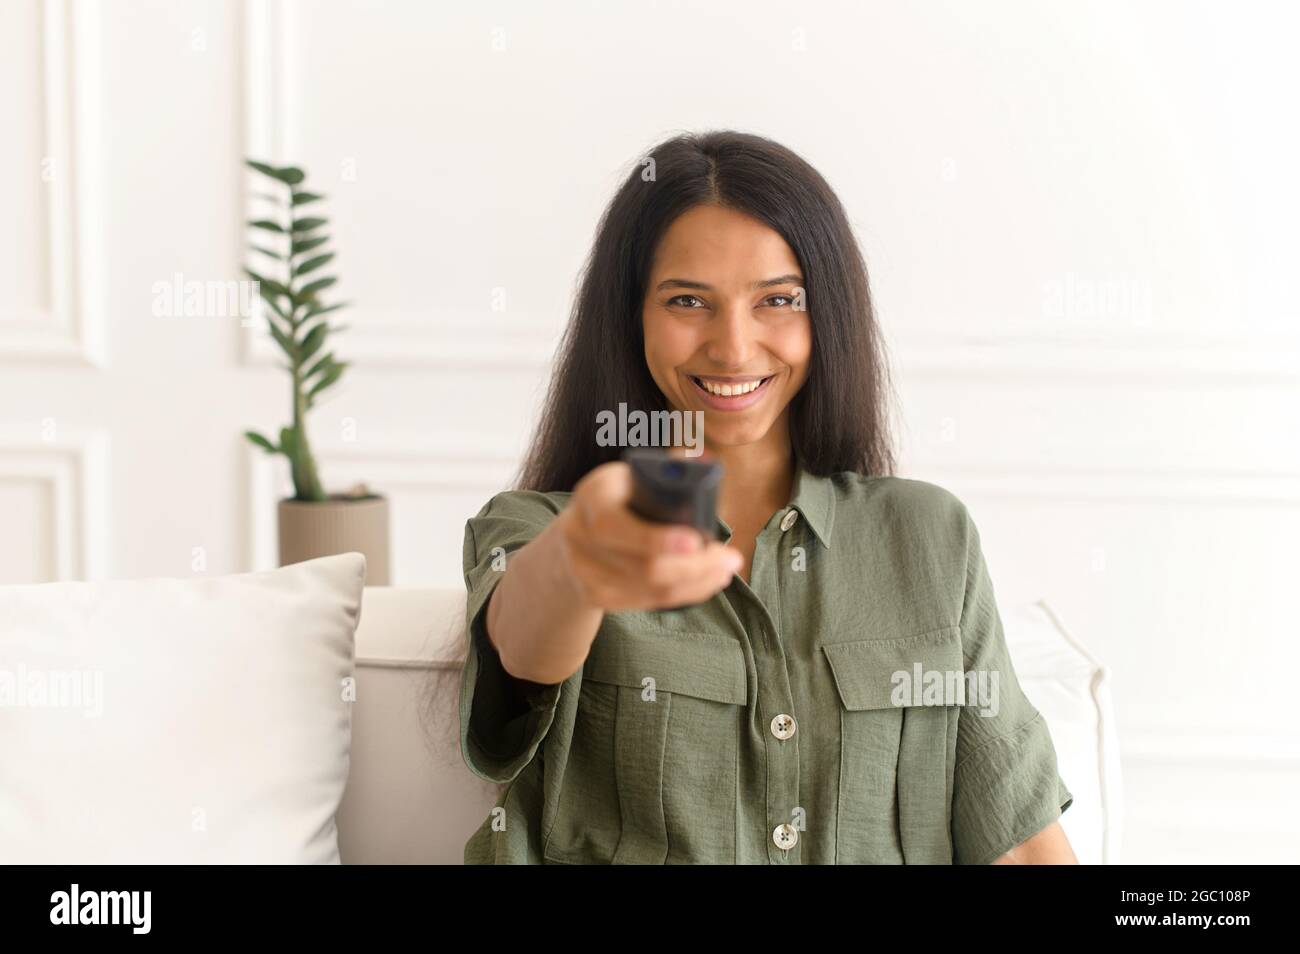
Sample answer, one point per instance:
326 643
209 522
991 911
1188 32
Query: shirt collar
814 498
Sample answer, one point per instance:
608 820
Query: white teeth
730 390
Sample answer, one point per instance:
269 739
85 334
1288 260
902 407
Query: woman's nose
731 338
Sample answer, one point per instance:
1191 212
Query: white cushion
212 725
410 798
1072 691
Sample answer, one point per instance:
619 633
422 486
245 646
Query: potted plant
312 523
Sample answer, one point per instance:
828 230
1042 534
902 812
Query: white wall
1079 219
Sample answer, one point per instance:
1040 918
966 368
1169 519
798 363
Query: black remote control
675 490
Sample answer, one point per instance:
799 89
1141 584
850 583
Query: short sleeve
498 736
1006 786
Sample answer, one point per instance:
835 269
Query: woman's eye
684 299
779 301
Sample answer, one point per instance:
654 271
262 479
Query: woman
807 705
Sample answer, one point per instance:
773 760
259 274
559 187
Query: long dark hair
839 420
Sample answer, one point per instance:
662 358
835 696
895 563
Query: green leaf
287 445
266 284
267 252
275 306
283 340
306 245
289 175
327 379
266 224
302 198
261 442
315 310
307 224
312 342
322 363
314 263
311 288
286 329
263 168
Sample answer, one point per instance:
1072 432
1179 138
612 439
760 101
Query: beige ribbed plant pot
341 524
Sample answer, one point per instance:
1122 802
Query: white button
785 837
789 520
783 726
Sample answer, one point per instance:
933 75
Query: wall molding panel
1127 358
77 472
1114 485
74 328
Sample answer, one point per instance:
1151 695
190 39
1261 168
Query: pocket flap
887 673
703 665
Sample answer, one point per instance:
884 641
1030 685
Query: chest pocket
654 749
900 701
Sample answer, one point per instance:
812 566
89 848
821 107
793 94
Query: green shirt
855 702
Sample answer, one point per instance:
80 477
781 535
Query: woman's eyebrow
779 280
691 283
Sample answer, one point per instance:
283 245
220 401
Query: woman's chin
733 433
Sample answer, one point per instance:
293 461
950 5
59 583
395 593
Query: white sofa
410 798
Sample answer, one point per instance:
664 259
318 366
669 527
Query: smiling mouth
730 389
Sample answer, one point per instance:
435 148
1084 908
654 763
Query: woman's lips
735 402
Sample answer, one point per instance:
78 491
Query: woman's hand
618 561
595 557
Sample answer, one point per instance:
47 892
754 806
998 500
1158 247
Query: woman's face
719 316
